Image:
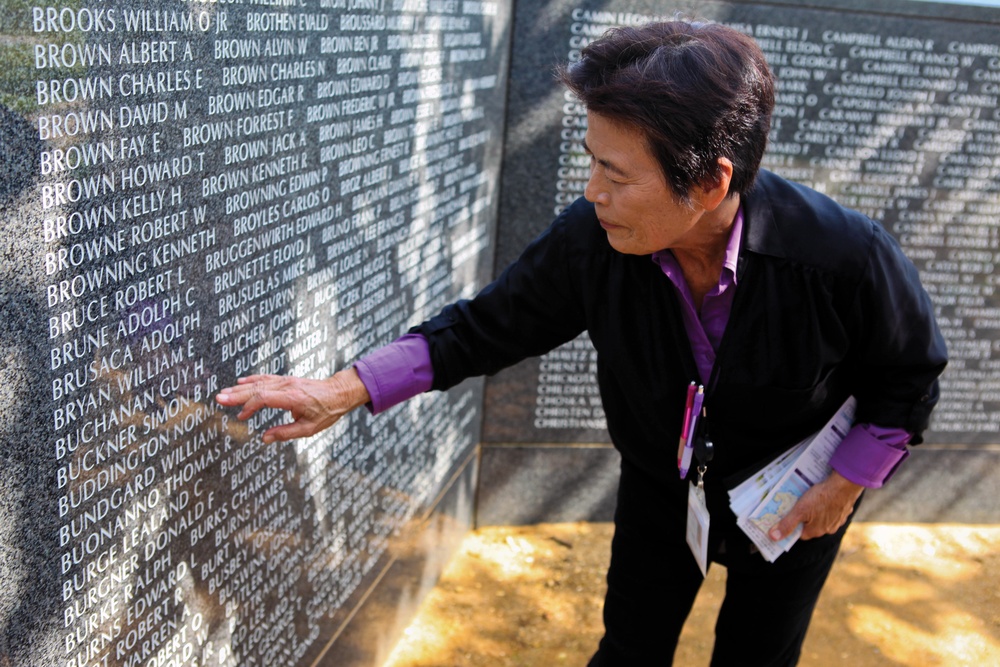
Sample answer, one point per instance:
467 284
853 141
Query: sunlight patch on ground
899 595
934 597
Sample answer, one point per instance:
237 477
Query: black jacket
826 306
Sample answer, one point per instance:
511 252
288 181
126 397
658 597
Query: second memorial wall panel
889 107
196 191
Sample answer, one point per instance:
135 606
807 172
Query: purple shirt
400 370
867 456
705 330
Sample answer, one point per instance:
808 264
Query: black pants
653 581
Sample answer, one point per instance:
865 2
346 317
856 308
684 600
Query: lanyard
704 448
694 441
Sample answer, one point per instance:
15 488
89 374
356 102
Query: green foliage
17 77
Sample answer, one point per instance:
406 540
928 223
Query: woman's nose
593 192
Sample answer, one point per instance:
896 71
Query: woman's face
634 204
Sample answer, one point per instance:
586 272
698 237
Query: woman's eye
594 165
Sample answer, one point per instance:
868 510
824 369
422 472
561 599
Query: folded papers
761 501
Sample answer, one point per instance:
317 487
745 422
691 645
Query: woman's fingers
313 404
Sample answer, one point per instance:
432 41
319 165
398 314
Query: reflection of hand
314 404
821 510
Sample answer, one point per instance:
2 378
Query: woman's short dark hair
697 91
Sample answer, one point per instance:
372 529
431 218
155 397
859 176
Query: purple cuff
400 370
869 455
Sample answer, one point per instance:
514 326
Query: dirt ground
900 595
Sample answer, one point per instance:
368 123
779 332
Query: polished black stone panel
890 107
940 484
423 550
196 191
526 484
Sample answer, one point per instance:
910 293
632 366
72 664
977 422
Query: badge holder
698 518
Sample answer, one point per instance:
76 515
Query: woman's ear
710 194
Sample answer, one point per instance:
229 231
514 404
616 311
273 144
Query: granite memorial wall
891 107
194 191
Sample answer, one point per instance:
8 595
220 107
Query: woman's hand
314 404
821 510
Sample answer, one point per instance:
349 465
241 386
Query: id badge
697 526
